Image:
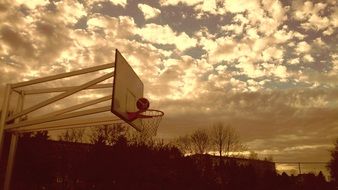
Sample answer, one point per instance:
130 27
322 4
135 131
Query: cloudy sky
268 68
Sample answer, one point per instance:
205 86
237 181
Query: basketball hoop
128 101
149 121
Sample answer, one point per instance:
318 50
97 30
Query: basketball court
123 101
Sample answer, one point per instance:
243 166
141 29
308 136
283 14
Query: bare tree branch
225 139
200 141
218 137
107 134
184 144
73 135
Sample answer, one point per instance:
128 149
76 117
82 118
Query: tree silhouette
200 141
225 139
46 164
39 135
333 164
140 138
72 135
232 142
219 137
253 155
33 160
184 144
107 134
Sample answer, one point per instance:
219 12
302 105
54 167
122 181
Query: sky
268 68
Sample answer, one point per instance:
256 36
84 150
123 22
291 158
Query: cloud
280 71
235 28
240 6
252 33
159 34
32 4
122 3
308 58
333 19
250 69
181 78
300 36
222 49
209 6
275 9
255 13
272 53
282 36
120 27
304 147
221 69
71 11
253 85
329 31
303 47
37 38
296 105
176 2
310 15
15 42
294 61
319 42
334 70
148 11
316 23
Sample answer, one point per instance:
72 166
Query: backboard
127 89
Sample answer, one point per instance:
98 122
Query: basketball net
150 120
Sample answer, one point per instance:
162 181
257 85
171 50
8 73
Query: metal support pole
4 112
19 104
63 89
77 107
78 123
63 75
10 162
59 117
61 96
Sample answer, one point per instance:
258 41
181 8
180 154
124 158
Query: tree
200 141
333 164
232 142
253 155
269 158
72 135
39 135
184 144
140 138
225 139
33 160
107 134
218 137
101 135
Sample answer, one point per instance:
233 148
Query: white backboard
127 89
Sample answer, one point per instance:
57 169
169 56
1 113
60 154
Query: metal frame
60 119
